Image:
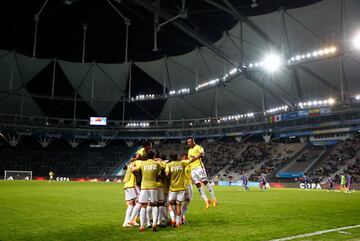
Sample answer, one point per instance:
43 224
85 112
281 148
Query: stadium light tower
272 62
356 41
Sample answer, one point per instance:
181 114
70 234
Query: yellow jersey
149 171
176 171
188 180
162 176
193 152
130 178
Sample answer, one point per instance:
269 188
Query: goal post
17 175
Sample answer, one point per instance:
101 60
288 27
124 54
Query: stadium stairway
272 175
297 165
127 156
318 161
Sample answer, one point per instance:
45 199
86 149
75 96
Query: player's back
176 170
149 171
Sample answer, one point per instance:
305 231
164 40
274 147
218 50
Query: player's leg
180 196
204 179
143 198
153 203
171 202
196 179
129 209
148 214
130 196
166 210
143 217
185 204
160 204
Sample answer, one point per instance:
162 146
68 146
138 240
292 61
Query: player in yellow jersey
188 191
176 171
131 191
198 172
160 193
149 170
51 176
141 153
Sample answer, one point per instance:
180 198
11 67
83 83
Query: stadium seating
226 158
62 159
344 158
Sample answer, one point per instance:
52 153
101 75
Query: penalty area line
316 233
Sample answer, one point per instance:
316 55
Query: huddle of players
166 186
345 183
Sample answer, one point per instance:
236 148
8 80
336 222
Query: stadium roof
215 37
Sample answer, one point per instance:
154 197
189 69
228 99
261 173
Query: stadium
200 120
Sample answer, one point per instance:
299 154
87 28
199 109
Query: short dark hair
184 155
190 137
174 157
146 143
150 154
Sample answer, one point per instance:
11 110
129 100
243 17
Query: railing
80 128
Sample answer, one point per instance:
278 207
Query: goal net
18 175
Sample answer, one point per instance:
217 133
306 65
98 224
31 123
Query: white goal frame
14 171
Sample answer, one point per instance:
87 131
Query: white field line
316 233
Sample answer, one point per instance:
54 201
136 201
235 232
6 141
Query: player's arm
201 154
187 162
162 165
135 167
167 170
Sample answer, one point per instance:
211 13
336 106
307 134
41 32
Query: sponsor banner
276 184
237 184
325 111
324 143
289 174
303 113
310 186
62 179
291 116
79 179
302 133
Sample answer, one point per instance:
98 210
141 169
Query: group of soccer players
345 183
165 186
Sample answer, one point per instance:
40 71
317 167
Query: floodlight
272 62
356 41
331 101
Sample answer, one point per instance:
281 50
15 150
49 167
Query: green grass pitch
36 210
